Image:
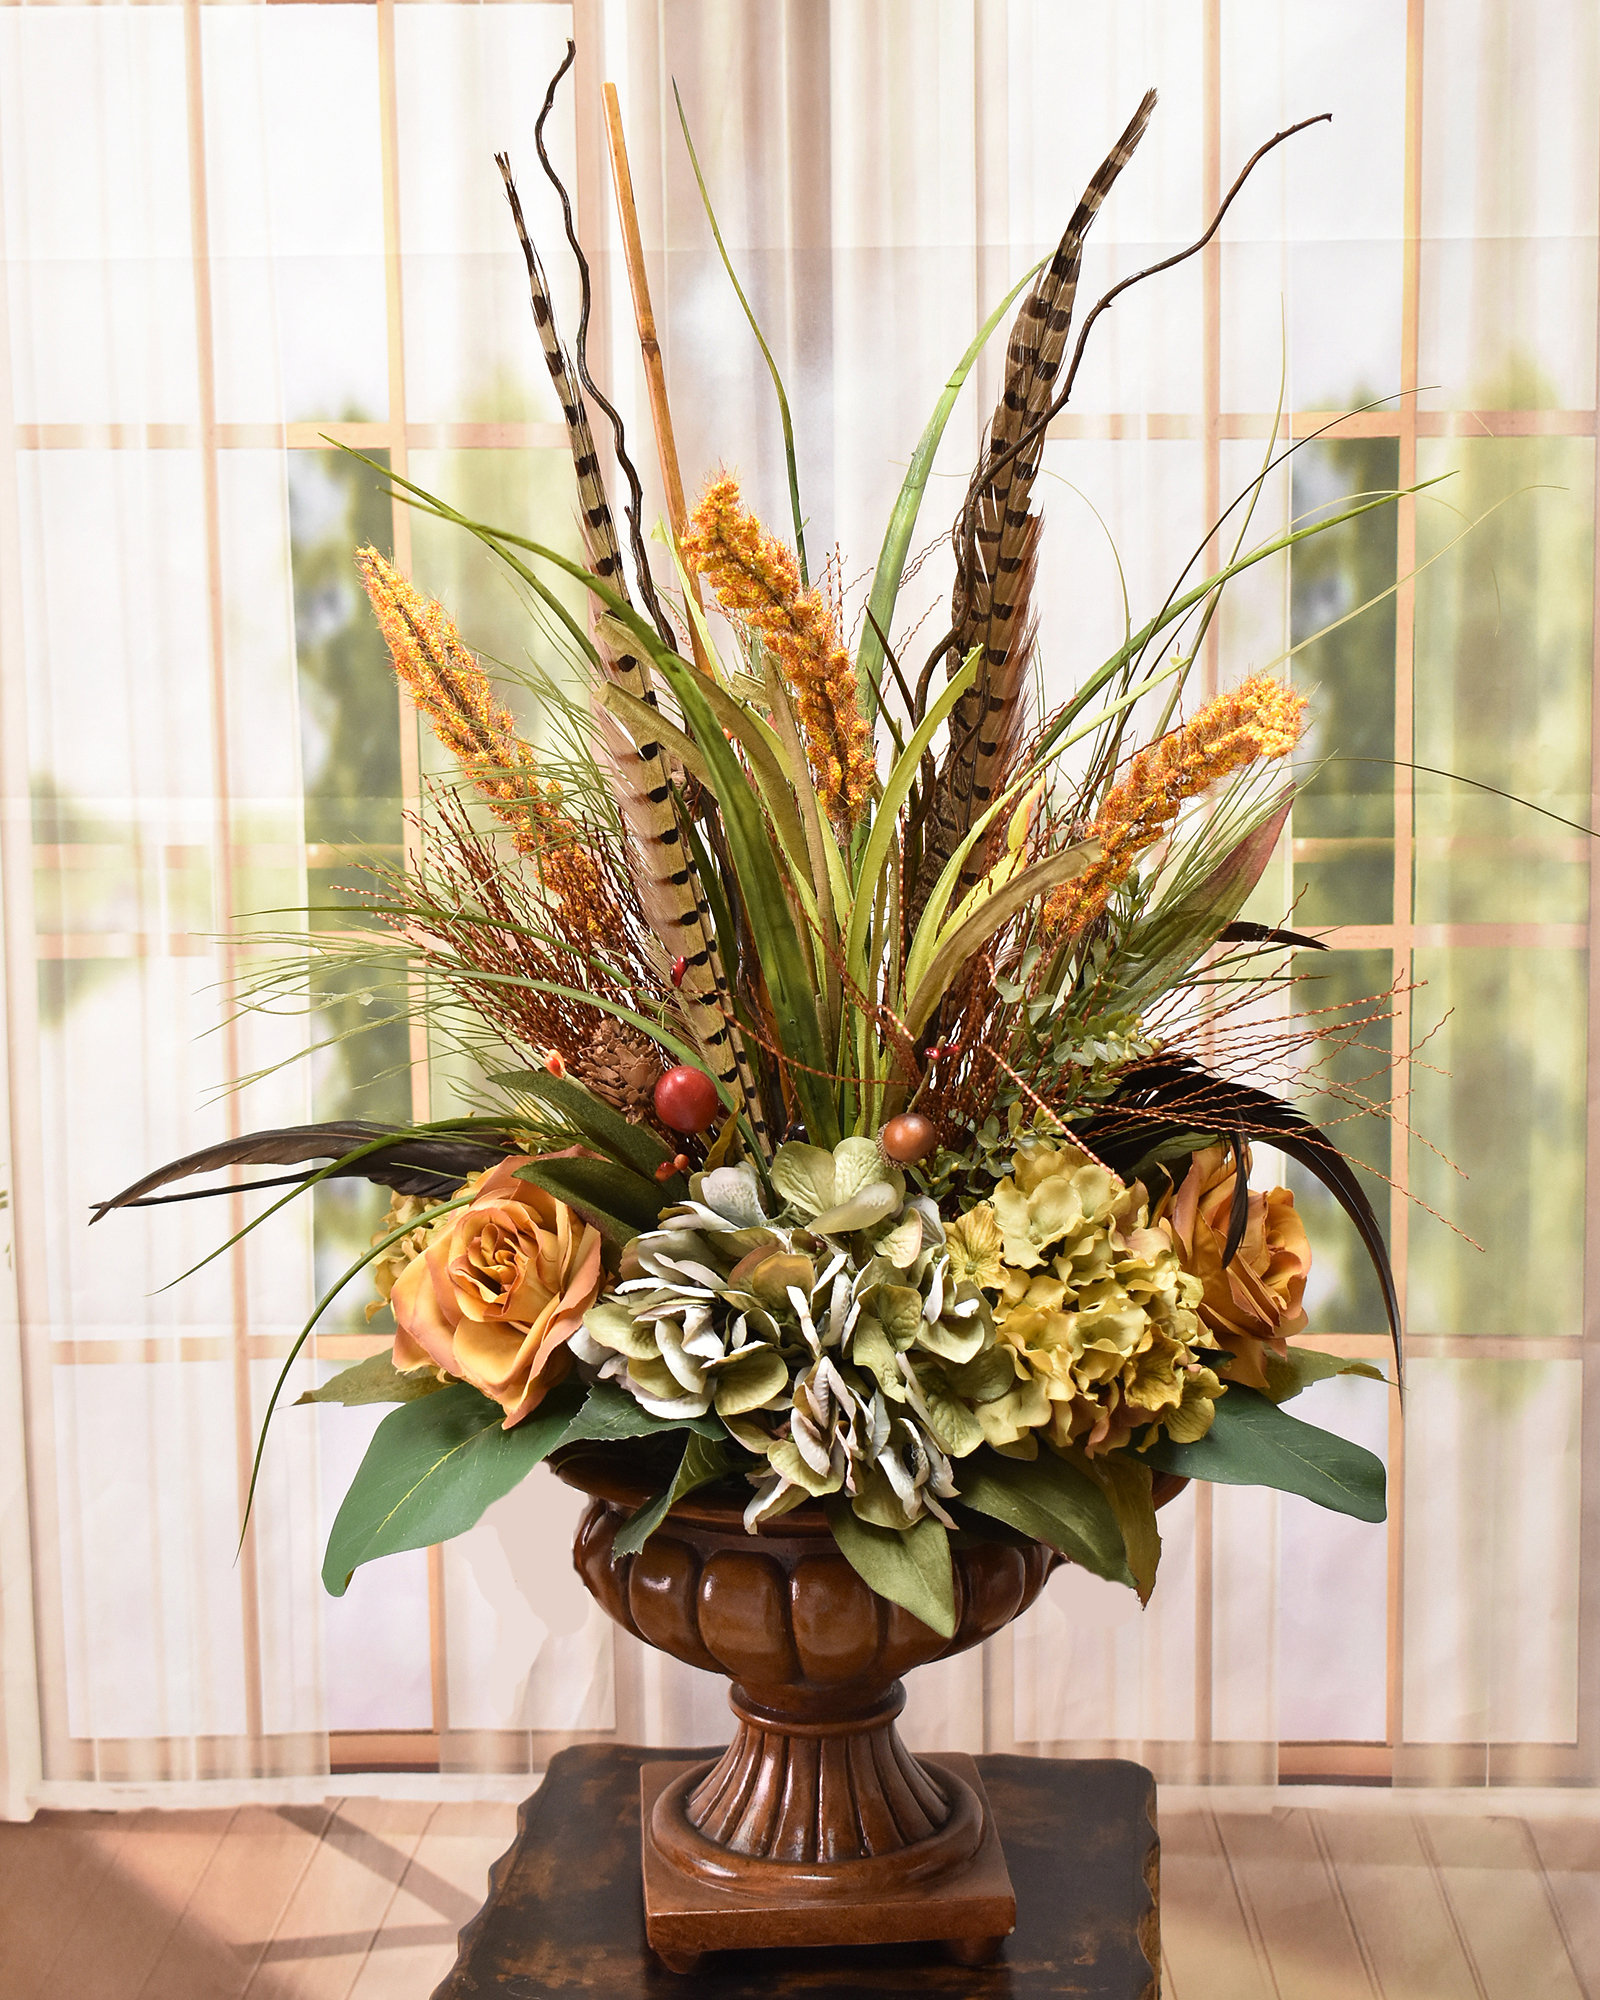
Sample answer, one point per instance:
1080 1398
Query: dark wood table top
565 1913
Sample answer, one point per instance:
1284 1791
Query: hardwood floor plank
446 1882
1503 1908
337 1906
52 1867
1205 1932
1569 1854
1398 1909
138 1904
236 1909
1293 1899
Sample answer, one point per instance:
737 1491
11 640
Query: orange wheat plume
1260 718
756 579
450 688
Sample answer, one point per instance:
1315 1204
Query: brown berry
909 1138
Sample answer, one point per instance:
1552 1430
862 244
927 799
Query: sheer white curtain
232 233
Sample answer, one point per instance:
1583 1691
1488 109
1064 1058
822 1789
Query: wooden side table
565 1913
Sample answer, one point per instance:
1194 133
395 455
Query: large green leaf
1254 1443
1053 1501
703 1461
611 1413
909 1566
634 1146
432 1468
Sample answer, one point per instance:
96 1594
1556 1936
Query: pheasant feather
669 887
995 542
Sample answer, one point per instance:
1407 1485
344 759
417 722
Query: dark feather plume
425 1166
1171 1094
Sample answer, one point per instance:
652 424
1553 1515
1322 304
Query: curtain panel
236 237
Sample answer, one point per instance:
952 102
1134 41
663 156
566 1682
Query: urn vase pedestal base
970 1909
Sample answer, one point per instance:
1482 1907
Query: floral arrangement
866 1069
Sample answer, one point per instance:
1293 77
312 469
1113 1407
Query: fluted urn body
816 1783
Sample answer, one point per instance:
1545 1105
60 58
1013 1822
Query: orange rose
1255 1302
499 1291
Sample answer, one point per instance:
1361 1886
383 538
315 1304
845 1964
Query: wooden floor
361 1900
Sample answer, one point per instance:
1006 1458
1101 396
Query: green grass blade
367 1257
766 352
876 849
784 960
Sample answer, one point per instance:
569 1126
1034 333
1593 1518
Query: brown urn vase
816 1810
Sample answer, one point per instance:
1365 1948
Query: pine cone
622 1068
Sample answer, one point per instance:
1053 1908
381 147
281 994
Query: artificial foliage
867 1047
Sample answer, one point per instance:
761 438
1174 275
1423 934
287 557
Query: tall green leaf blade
895 787
1053 1501
783 960
1254 1443
432 1468
909 1566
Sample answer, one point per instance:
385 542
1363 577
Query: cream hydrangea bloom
1097 1312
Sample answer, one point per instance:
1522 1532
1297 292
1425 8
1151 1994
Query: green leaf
430 1471
1252 1442
909 1566
611 1413
619 1202
1126 1484
702 1462
634 1146
1050 1499
1301 1366
375 1380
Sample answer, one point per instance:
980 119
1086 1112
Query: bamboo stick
655 373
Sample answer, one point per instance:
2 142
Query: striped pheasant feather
996 538
670 891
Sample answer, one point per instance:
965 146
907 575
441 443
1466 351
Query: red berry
687 1100
909 1138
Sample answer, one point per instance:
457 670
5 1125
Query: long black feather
1241 932
419 1166
1174 1093
1239 1207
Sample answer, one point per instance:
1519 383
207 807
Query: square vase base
971 1909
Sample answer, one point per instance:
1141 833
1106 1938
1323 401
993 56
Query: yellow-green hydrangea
1096 1311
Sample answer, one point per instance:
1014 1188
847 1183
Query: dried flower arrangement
867 1084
